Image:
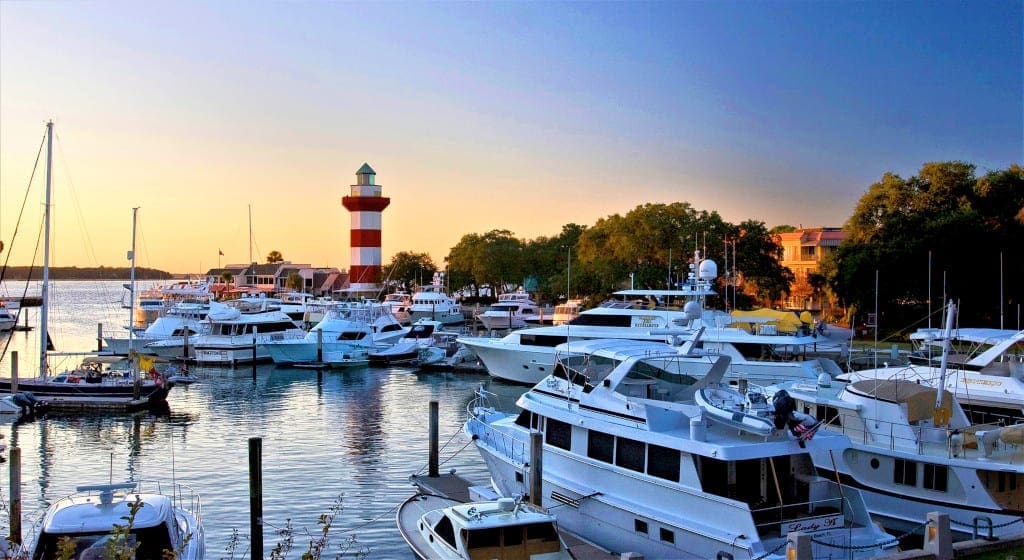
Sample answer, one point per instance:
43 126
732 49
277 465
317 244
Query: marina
354 433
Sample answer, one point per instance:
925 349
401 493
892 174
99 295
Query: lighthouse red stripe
365 238
365 203
358 274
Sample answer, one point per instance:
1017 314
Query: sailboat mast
43 310
250 235
131 307
944 364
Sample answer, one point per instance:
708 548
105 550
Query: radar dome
708 270
692 310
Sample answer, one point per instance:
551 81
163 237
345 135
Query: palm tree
274 257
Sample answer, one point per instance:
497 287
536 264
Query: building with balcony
803 250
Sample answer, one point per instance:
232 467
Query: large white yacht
512 311
185 318
987 377
231 341
345 328
634 464
909 458
759 351
432 302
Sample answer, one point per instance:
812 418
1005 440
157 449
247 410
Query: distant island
85 273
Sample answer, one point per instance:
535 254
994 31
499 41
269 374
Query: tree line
971 226
83 273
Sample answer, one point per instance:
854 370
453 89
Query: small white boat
727 406
342 359
8 318
439 528
164 524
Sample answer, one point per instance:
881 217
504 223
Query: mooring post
256 496
14 371
938 540
99 336
15 536
799 546
434 462
319 345
536 467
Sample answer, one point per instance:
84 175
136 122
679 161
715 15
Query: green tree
274 257
226 277
294 281
966 223
758 256
407 269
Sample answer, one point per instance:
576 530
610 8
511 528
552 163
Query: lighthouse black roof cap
366 169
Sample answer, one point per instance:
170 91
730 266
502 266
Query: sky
522 116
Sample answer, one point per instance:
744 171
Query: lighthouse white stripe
366 220
365 256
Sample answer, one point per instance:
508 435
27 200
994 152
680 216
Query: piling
319 345
14 372
15 458
254 357
434 462
938 540
536 468
799 547
99 337
256 496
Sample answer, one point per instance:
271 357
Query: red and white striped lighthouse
365 204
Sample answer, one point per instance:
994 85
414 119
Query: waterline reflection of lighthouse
365 205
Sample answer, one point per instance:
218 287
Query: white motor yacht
347 328
987 378
186 318
634 464
165 525
438 528
513 310
432 302
234 340
398 303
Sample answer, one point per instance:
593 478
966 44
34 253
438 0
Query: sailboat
99 382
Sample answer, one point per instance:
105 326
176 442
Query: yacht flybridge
634 464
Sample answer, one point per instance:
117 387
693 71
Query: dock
456 487
77 405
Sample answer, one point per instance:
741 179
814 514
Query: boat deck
457 488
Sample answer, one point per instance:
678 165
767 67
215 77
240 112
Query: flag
145 363
220 253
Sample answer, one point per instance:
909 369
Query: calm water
357 434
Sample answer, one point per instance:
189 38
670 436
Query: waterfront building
803 250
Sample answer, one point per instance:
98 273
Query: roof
366 169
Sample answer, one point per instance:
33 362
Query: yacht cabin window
600 446
905 472
667 535
629 454
936 477
446 531
558 434
640 526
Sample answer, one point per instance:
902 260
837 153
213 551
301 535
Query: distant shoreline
85 273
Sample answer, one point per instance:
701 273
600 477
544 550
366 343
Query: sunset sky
522 116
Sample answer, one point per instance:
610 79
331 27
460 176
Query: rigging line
21 211
89 247
24 290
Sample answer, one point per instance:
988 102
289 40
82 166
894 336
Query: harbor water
354 435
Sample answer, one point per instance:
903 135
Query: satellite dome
692 310
708 270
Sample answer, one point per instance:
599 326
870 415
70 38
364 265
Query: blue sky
490 115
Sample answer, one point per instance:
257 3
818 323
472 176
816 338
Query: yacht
163 526
347 328
987 379
431 302
909 457
526 356
438 528
565 312
8 318
398 303
233 340
512 311
634 464
156 300
408 349
186 318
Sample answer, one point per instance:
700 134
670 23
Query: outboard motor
784 406
28 403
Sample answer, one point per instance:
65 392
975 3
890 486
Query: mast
44 310
941 385
250 235
131 307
